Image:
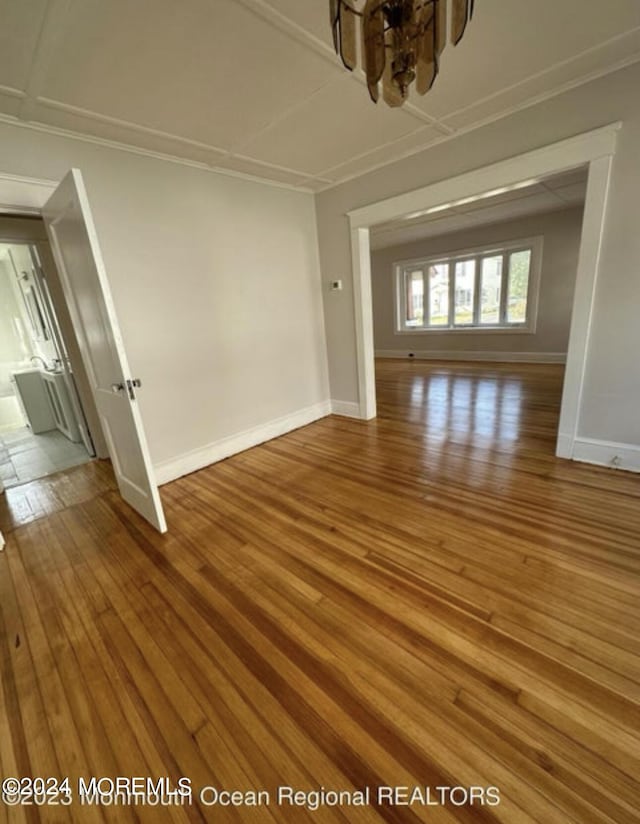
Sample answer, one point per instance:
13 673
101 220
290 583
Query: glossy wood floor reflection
430 598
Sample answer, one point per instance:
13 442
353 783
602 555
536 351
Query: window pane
465 290
415 298
491 284
519 266
439 294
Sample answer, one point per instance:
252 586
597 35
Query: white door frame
595 148
22 196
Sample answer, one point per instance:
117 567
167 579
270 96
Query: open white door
75 248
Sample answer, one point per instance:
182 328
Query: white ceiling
253 86
548 194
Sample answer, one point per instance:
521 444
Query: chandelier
401 41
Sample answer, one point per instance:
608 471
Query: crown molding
56 131
533 101
225 155
300 175
566 62
222 154
9 91
89 114
324 180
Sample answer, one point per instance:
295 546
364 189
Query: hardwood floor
427 599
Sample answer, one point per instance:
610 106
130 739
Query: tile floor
25 456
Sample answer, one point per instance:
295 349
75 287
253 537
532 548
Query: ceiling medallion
401 41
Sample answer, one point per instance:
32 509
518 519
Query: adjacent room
472 308
39 431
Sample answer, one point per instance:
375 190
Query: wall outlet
335 285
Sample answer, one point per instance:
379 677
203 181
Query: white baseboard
347 409
456 355
564 446
232 444
607 453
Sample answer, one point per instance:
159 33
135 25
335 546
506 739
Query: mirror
34 310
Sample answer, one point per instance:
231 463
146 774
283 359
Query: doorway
43 426
81 296
472 310
596 149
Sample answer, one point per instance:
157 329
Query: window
491 289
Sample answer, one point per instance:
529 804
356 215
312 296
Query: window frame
504 248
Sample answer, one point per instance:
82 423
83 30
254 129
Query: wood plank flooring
427 599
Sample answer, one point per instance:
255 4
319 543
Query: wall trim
475 355
188 462
319 45
564 446
563 155
131 148
607 453
593 221
563 88
347 409
24 195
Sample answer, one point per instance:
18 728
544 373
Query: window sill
470 330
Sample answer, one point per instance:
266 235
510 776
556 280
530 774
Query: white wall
611 397
13 348
561 232
216 285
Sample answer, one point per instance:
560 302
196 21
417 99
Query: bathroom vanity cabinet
45 402
34 400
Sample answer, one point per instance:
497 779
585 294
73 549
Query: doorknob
129 384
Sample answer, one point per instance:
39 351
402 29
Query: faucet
42 361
